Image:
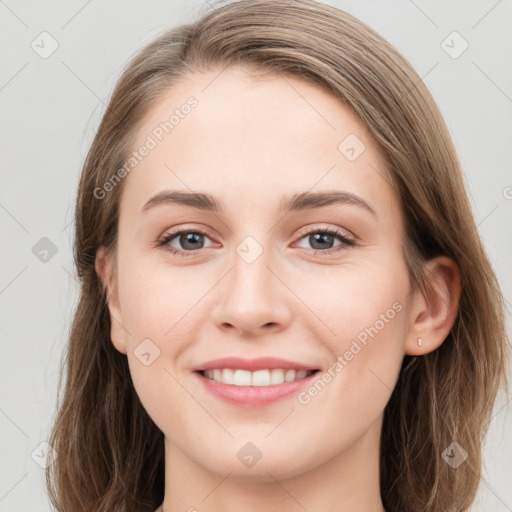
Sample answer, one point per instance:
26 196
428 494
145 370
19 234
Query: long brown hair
110 454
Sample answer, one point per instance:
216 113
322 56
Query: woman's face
260 279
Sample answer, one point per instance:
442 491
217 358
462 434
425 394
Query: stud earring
419 342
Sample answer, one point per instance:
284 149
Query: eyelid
306 230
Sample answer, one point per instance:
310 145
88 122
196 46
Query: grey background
51 108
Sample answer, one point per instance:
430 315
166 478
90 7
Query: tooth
242 378
290 375
277 376
261 378
227 376
257 378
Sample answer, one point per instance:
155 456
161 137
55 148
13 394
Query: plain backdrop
51 106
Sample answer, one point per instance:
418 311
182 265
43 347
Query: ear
433 314
105 270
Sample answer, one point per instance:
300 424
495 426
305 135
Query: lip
254 395
260 363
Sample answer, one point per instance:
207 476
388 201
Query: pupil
319 237
190 238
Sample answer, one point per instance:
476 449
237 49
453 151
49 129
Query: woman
285 303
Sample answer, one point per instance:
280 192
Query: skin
250 141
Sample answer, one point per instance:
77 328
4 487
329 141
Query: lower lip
254 395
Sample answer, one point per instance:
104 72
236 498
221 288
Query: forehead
250 137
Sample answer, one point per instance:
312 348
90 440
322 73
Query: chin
245 464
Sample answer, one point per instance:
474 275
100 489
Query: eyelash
329 231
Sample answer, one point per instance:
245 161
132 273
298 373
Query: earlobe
434 311
104 270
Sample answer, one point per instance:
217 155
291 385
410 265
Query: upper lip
260 363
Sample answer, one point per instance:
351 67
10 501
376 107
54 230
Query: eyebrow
297 202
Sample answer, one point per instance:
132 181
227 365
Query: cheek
363 320
352 300
160 308
154 312
152 299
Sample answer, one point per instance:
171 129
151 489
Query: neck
347 481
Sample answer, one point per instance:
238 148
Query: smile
257 388
265 377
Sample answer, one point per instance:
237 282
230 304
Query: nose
252 300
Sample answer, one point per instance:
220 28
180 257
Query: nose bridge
251 280
251 297
251 272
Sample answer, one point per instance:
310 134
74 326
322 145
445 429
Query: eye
321 240
190 239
